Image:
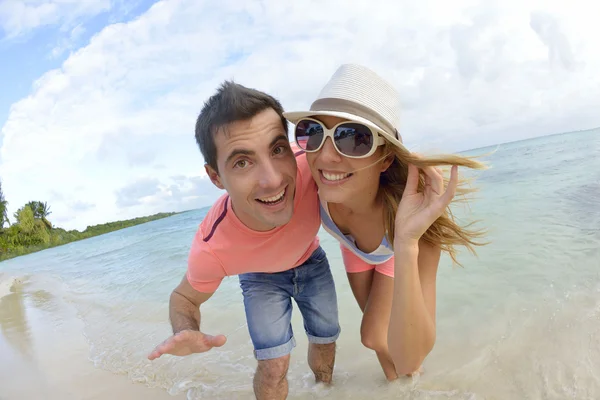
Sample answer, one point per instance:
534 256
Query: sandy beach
45 354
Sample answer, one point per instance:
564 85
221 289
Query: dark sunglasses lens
309 134
353 139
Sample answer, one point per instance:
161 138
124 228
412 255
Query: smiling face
341 179
257 167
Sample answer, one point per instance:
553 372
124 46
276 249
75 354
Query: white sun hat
356 93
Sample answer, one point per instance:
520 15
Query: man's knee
323 349
322 353
273 372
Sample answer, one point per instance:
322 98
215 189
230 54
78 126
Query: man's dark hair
232 102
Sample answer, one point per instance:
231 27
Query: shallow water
521 320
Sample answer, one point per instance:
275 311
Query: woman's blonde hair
445 232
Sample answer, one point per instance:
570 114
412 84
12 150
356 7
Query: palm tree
40 211
3 209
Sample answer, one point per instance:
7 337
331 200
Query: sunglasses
350 139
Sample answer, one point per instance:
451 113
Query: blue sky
30 52
98 98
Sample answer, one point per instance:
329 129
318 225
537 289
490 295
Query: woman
388 209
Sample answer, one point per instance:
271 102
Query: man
264 229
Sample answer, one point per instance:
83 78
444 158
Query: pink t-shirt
224 246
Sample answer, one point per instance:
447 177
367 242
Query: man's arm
184 307
184 312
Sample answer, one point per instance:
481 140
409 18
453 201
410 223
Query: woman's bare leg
373 293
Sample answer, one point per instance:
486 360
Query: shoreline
84 235
45 354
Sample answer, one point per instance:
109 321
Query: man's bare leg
270 380
321 358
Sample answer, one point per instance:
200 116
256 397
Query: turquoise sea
519 321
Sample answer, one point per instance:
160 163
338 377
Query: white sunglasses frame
378 136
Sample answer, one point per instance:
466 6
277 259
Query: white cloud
19 17
122 109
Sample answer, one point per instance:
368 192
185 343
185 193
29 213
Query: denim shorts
268 305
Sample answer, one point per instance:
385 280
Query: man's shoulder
305 178
214 216
298 153
295 148
200 251
204 269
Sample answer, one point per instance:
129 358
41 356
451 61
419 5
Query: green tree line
31 230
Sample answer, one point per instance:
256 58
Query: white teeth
273 199
334 177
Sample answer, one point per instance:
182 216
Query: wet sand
45 355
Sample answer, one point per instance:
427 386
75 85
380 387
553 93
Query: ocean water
521 320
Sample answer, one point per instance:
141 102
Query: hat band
350 107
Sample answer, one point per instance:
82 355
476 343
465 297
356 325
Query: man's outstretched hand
187 342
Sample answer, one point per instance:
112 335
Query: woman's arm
411 333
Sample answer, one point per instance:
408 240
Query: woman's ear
387 161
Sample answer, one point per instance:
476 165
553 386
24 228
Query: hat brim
295 116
